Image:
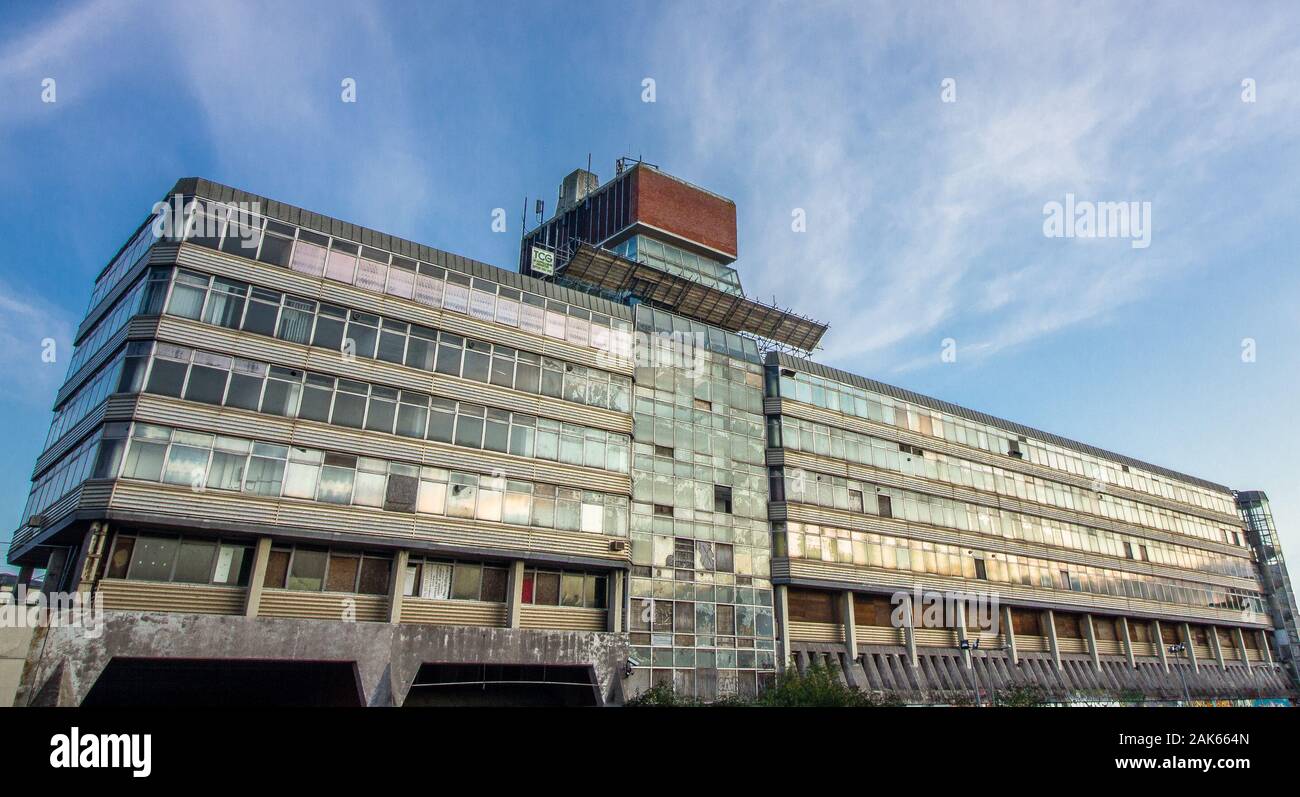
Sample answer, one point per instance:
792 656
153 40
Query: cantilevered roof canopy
608 271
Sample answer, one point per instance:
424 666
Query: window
663 510
194 562
886 505
855 501
721 499
683 554
208 376
575 589
725 558
188 560
980 571
307 569
154 558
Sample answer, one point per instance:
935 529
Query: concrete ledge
387 657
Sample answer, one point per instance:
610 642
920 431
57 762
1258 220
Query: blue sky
924 217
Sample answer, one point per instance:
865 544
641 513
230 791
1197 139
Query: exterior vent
36 521
617 545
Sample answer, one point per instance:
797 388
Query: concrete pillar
1241 648
1160 644
850 624
909 629
1049 617
1128 642
1191 649
25 574
56 570
1216 648
1009 632
1090 633
961 632
396 586
261 554
614 614
782 600
1265 654
515 593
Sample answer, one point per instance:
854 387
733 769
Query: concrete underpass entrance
503 685
219 683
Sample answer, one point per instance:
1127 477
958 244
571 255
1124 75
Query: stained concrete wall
14 646
942 672
64 667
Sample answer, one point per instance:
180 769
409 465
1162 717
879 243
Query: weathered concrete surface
941 672
63 668
14 646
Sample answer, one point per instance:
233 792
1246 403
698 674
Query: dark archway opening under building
224 683
503 685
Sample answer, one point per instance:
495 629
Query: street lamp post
970 646
1177 649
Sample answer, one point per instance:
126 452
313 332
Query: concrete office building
301 461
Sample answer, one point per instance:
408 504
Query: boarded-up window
494 584
547 589
873 610
810 606
1140 631
121 557
1105 628
1027 622
374 576
726 619
277 567
1169 634
1067 626
342 573
1199 636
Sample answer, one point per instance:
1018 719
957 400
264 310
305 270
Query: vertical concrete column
1241 648
782 599
56 570
515 598
25 574
1217 648
1160 644
1128 642
850 624
1191 649
909 629
1009 632
614 614
396 586
1265 654
961 632
1090 633
1049 617
261 555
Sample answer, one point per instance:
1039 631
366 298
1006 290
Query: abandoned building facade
296 460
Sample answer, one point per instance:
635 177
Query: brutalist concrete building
300 461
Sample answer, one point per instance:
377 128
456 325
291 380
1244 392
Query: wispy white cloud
925 217
35 345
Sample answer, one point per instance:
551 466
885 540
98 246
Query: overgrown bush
816 687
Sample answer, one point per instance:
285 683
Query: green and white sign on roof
543 261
